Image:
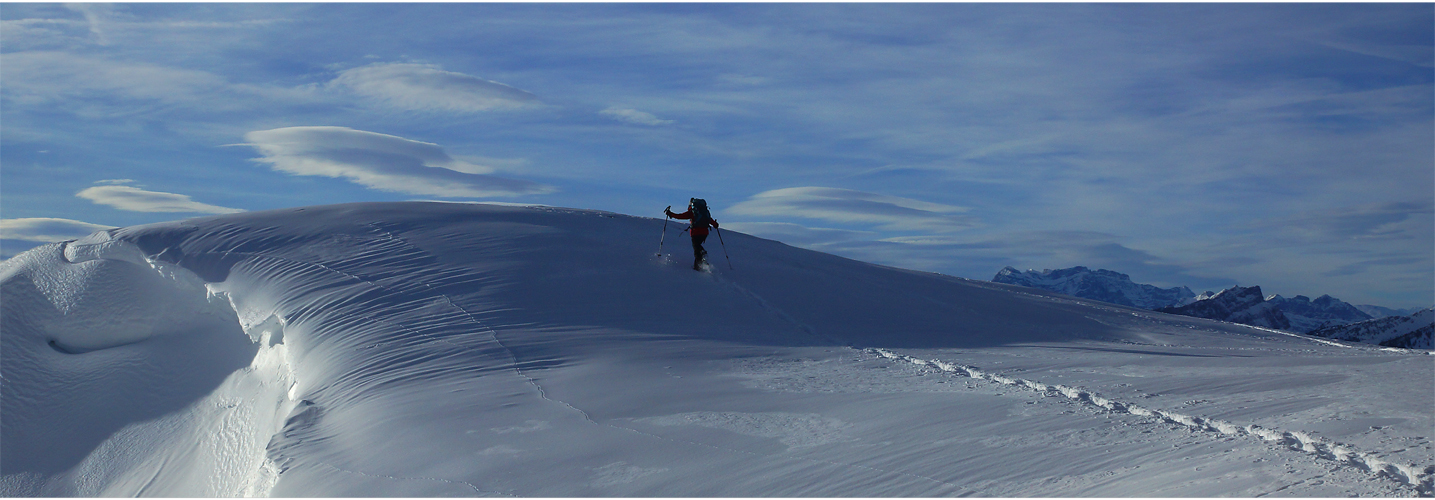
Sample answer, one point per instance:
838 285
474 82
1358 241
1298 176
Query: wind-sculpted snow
432 349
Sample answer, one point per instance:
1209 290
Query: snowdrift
435 349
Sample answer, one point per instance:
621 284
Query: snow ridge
1422 479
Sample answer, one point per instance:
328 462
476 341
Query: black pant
698 251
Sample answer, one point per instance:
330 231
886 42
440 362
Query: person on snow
698 213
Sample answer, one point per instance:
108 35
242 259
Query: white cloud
93 13
424 87
382 162
889 213
138 200
635 116
46 230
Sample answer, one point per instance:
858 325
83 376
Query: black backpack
701 217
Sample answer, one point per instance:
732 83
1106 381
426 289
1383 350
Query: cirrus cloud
794 234
635 116
139 200
381 161
424 87
888 213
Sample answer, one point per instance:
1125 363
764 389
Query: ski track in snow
1423 480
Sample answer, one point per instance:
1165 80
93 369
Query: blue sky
1290 146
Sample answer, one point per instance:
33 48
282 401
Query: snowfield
439 349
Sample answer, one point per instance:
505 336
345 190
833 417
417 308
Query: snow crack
1420 479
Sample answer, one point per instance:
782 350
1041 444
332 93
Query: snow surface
436 349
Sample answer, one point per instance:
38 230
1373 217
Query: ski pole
724 248
665 230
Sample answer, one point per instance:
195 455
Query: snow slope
431 349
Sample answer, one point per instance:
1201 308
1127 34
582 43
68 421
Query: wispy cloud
1384 221
46 229
383 162
35 77
888 213
22 34
425 87
100 86
796 234
635 116
93 13
1418 55
139 200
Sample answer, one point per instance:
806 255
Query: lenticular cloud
422 87
381 161
139 200
848 206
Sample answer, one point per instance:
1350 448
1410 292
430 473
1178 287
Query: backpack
701 217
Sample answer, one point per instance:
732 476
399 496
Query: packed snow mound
435 349
1101 284
1412 332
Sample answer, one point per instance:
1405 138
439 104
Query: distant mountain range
1244 305
1412 332
1101 284
1307 315
1323 316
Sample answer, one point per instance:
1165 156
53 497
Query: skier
698 213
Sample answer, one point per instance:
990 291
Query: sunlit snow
440 349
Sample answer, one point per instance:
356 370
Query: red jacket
695 231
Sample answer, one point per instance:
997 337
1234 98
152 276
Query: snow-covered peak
1307 315
1237 304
